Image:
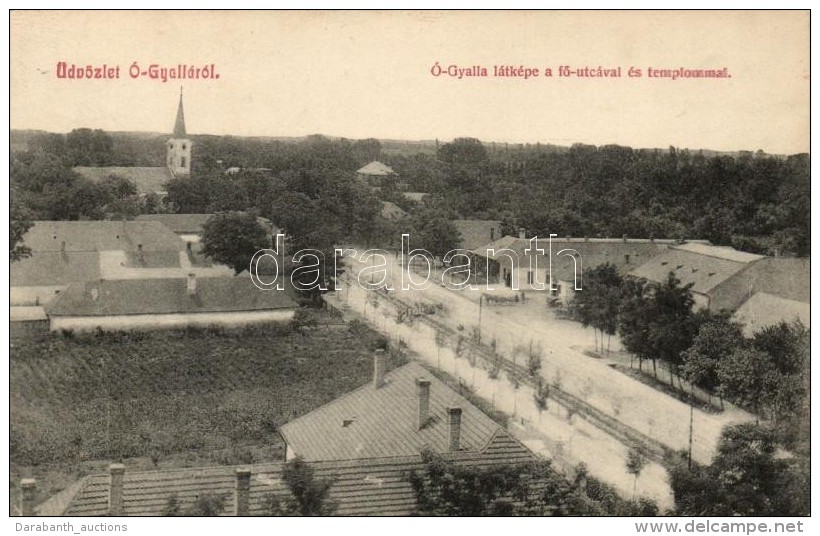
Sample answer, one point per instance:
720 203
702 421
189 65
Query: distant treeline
752 201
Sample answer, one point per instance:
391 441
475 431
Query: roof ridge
344 396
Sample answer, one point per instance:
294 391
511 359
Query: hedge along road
514 327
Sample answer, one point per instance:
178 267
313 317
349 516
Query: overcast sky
367 74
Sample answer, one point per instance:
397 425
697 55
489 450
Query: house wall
161 321
787 278
34 295
702 301
27 329
192 238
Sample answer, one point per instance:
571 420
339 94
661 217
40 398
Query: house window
529 277
626 258
170 145
183 146
182 162
492 233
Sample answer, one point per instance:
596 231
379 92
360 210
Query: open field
171 398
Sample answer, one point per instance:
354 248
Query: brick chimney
242 496
28 487
625 238
191 284
378 368
522 233
423 397
117 472
455 428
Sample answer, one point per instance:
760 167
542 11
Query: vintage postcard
410 263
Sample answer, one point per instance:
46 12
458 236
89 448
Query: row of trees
767 373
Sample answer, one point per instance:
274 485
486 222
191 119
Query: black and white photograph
410 263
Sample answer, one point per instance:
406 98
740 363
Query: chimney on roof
423 397
569 237
522 233
378 368
776 252
117 472
455 428
28 487
191 284
625 238
242 494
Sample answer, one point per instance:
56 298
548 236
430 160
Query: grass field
171 398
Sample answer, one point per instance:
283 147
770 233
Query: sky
368 74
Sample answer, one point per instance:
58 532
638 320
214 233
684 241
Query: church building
152 180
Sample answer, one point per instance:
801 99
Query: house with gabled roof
723 278
167 303
374 173
401 413
365 443
521 264
68 252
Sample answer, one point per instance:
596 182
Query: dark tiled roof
146 179
702 270
192 223
179 223
392 211
381 423
376 168
179 123
54 268
476 233
101 236
360 487
164 296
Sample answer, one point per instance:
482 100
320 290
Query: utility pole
480 299
691 422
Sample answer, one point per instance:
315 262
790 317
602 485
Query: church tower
179 146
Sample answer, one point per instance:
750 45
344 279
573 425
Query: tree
19 224
233 239
635 463
309 496
634 319
431 228
748 377
463 151
716 339
599 302
445 489
745 478
205 505
673 325
88 147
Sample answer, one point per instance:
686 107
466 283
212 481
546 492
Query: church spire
179 125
